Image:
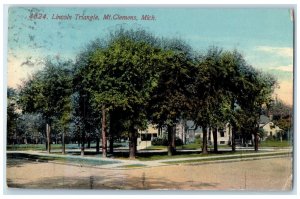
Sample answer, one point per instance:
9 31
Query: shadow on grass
111 182
17 159
152 155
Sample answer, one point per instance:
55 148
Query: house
146 136
268 126
187 131
223 135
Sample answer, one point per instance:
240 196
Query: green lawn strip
61 159
192 146
25 147
37 147
162 157
155 148
42 147
189 155
132 166
272 143
226 158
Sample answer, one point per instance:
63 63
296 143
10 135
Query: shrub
159 142
164 142
178 142
198 141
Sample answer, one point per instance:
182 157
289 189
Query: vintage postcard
150 98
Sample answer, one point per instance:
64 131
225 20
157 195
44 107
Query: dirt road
258 175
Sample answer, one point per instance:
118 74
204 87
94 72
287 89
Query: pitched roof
264 119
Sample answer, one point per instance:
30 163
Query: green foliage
12 114
170 100
159 142
123 75
262 133
282 114
275 143
48 93
164 142
139 79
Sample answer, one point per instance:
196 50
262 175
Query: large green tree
122 76
86 117
213 92
259 95
47 92
12 115
170 100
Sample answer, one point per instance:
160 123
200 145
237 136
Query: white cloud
288 68
280 51
285 92
18 68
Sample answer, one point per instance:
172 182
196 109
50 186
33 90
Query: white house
223 135
146 136
268 126
187 131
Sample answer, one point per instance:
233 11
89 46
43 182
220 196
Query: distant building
268 126
148 134
223 135
190 132
187 131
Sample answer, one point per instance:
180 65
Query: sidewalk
111 163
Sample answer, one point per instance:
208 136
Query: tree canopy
132 78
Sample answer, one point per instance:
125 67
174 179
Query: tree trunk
170 141
255 141
111 145
174 139
78 141
232 128
233 144
89 142
97 144
48 129
204 144
82 142
111 136
135 142
215 136
104 142
46 141
132 143
63 143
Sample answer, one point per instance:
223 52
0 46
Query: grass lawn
191 146
35 147
42 147
60 159
228 158
155 147
164 156
275 143
39 147
132 166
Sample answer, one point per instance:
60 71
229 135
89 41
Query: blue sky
263 35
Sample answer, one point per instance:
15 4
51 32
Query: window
222 134
222 142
